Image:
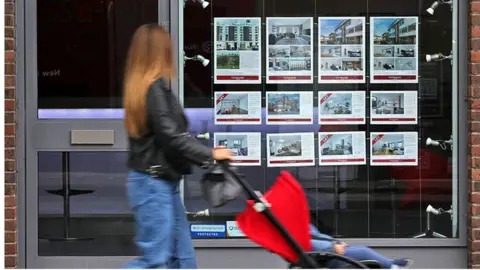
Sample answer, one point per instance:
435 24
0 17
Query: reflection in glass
93 218
381 201
81 49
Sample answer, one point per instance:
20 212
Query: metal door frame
50 135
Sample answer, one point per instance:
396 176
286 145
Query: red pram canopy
289 205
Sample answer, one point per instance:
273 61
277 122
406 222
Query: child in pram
323 242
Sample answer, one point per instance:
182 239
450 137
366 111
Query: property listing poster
341 46
342 148
245 146
394 149
393 107
394 49
341 108
238 108
290 149
289 50
292 108
237 51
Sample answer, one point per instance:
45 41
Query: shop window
351 201
81 49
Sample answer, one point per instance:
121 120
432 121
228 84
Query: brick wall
10 203
474 132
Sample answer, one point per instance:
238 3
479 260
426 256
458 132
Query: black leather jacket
167 150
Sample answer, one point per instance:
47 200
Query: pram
279 222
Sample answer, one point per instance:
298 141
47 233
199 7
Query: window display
371 188
237 50
394 49
342 148
246 147
341 107
238 108
291 108
393 107
394 148
289 50
341 46
290 149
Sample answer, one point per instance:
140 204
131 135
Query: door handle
204 136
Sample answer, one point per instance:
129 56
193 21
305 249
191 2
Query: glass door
77 211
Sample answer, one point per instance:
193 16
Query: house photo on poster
289 108
394 149
341 46
342 148
237 51
245 146
289 50
238 108
394 50
393 107
290 149
341 108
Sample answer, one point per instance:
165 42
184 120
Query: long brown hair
150 57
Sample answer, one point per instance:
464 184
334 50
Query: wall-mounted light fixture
197 58
202 2
442 143
437 3
438 57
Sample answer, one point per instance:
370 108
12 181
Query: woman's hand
339 248
222 153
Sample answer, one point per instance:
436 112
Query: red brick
9 117
10 225
10 201
475 222
10 237
10 105
9 141
475 104
475 19
11 261
10 165
10 57
9 129
475 150
9 20
9 46
10 213
475 7
9 32
9 8
10 189
9 68
9 93
10 178
475 56
475 32
9 81
10 249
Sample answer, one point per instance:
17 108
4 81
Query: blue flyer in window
207 230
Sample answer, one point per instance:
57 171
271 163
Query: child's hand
339 248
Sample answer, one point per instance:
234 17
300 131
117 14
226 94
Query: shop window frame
460 168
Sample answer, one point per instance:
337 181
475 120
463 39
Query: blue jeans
361 253
162 232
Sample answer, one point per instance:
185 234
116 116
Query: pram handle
304 257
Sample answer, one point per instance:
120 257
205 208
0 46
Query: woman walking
161 151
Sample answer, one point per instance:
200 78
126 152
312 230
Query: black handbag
219 185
